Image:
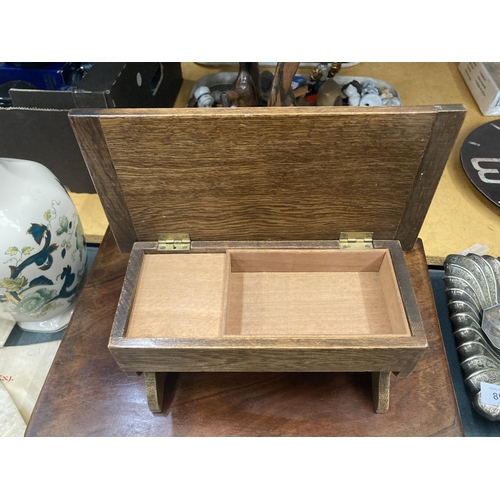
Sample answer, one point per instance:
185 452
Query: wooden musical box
267 239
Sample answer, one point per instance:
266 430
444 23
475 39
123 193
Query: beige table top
459 216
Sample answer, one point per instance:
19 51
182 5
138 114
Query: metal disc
480 155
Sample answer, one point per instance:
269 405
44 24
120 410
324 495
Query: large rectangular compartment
312 293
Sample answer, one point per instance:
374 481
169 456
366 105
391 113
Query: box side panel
401 360
127 294
101 77
405 286
442 138
45 99
45 136
146 85
95 152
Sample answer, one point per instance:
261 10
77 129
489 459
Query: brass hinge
174 242
356 241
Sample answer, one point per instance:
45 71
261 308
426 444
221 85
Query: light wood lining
305 261
308 293
392 296
178 296
267 293
300 304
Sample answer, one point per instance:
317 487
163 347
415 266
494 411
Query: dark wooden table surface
86 394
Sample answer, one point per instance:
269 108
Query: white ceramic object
370 100
352 94
203 97
42 247
370 96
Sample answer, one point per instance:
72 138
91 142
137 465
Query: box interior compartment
268 293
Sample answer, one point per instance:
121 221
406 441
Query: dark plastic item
5 99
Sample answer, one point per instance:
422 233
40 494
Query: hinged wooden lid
245 174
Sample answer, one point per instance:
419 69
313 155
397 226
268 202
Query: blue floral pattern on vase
32 296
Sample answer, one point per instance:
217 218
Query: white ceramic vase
42 248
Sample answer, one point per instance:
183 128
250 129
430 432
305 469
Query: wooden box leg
381 386
155 387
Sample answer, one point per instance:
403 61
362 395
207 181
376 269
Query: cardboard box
37 127
483 80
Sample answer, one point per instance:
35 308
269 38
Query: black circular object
480 155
